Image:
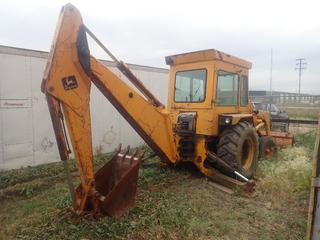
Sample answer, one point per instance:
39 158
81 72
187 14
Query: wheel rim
247 154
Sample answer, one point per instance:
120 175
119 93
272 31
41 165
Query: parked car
279 118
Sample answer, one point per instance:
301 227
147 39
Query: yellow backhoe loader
208 119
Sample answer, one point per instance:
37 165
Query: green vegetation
172 203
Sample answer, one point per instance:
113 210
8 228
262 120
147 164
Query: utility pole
300 65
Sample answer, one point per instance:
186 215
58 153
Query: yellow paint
207 111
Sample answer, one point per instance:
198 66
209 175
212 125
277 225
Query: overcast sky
144 32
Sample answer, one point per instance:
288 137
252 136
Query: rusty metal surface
115 185
296 121
282 139
230 182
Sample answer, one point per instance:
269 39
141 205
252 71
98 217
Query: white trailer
26 134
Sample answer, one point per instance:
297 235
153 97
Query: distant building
26 133
280 97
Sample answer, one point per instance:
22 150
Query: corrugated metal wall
26 135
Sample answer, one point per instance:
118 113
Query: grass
171 203
302 111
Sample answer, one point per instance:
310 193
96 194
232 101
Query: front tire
239 147
267 147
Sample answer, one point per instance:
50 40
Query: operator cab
203 78
210 85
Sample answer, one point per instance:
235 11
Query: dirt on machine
208 119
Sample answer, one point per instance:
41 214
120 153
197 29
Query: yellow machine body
196 125
208 110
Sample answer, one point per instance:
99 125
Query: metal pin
241 176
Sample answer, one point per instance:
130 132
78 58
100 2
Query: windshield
190 86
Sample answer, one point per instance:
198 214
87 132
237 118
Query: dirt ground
172 203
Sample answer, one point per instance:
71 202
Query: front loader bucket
116 184
282 139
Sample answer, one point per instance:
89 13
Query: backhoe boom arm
67 82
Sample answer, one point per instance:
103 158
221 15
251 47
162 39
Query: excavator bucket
116 183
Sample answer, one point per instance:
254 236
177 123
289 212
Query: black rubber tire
267 147
239 147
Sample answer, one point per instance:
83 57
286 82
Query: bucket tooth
142 155
118 149
126 153
132 157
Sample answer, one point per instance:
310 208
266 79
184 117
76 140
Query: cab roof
206 55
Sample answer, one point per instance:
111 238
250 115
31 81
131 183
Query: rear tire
239 147
267 147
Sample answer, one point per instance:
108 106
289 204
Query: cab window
190 86
244 90
227 88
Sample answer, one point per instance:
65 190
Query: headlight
227 120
